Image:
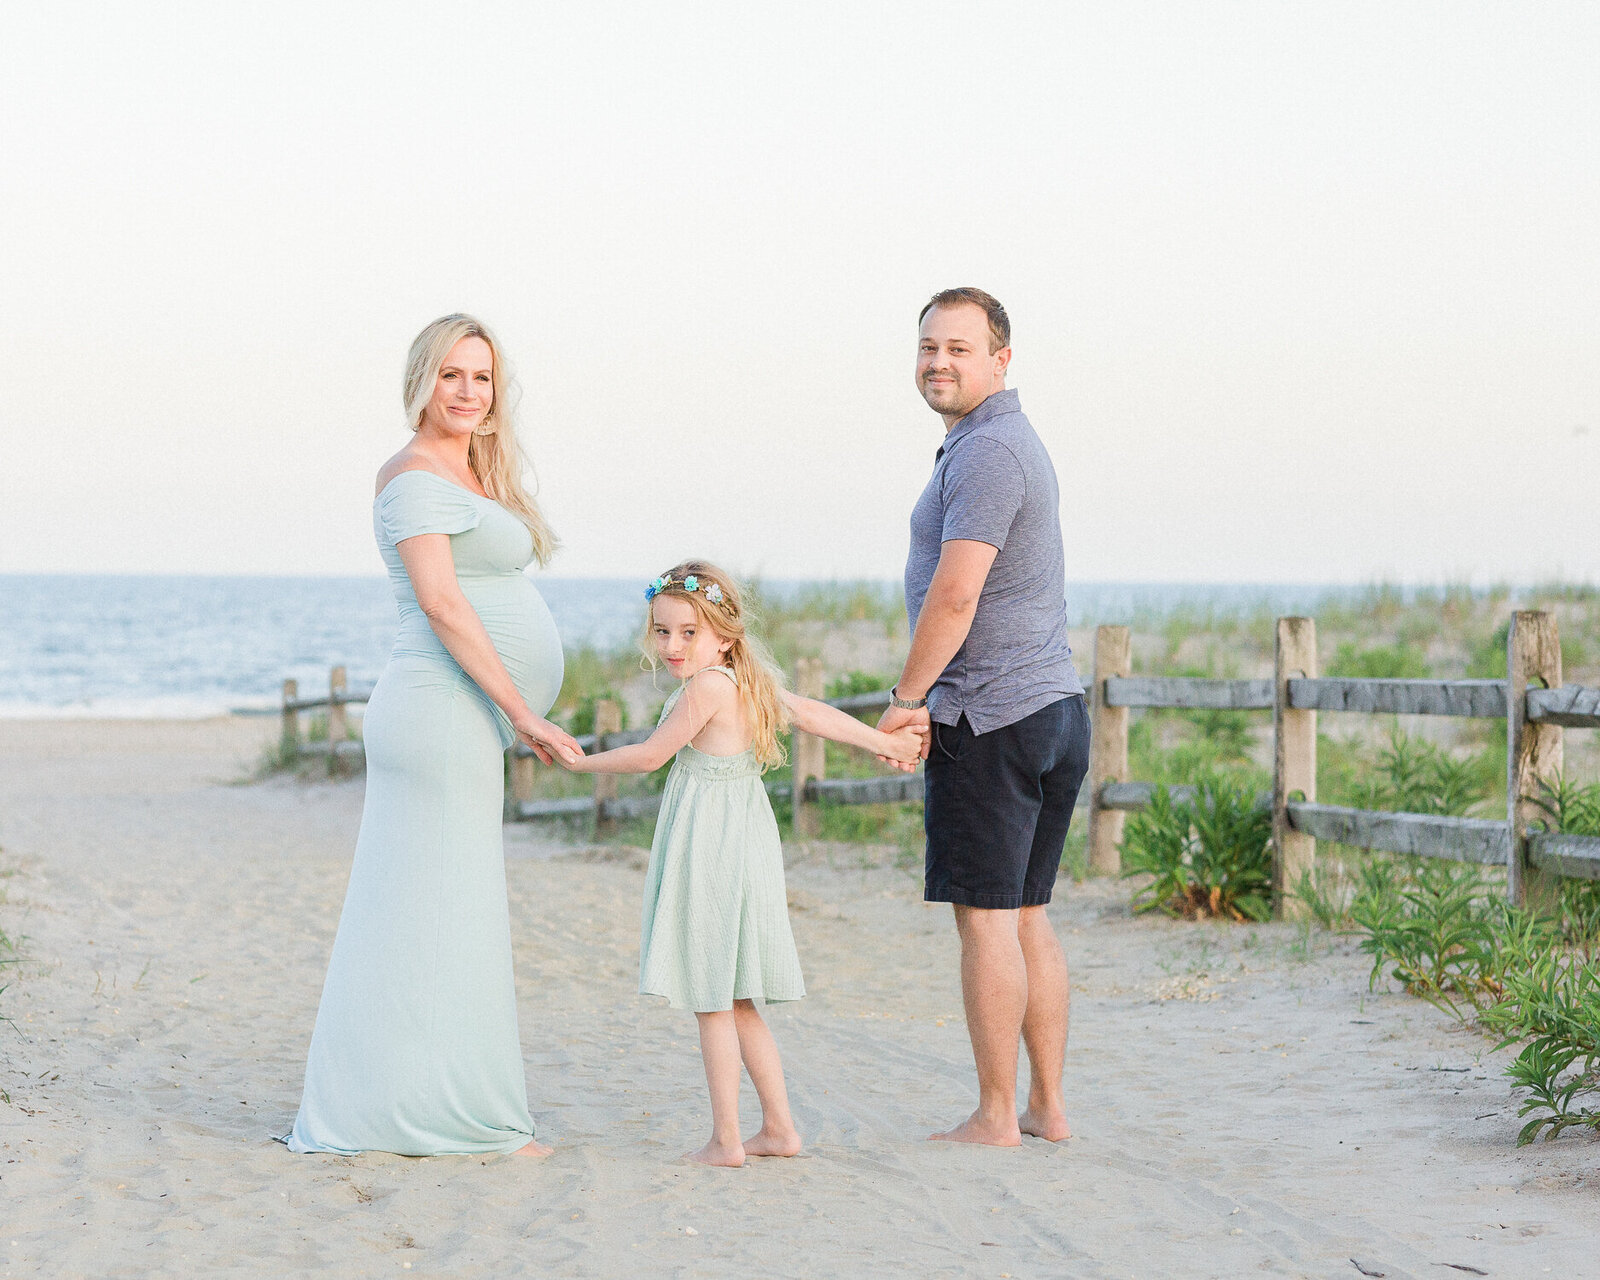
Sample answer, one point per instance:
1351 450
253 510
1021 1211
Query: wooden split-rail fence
806 787
1534 703
1531 699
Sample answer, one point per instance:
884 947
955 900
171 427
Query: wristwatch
906 704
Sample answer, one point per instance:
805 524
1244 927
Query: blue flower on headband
654 588
691 583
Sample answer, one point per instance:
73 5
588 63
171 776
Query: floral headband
712 591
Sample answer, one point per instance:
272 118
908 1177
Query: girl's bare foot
536 1149
1051 1126
726 1156
773 1142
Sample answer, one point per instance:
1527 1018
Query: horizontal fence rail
1572 706
1485 698
1133 796
1189 692
1422 835
893 789
342 698
1577 857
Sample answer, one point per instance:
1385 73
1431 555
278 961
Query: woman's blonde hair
759 679
494 455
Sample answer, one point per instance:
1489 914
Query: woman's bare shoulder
406 460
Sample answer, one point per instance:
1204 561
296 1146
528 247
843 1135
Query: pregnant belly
525 637
519 625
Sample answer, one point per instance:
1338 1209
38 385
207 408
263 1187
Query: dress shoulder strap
727 671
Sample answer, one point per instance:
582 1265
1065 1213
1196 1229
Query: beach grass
10 955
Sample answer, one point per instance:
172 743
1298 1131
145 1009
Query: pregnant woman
416 1049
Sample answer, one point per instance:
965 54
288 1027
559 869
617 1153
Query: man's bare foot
726 1157
536 1149
1049 1125
988 1133
769 1142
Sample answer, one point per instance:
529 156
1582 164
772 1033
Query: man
991 673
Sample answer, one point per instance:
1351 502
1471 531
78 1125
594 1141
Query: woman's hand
548 741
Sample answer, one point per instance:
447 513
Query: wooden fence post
1108 749
522 779
1533 750
607 719
810 752
1294 758
289 736
338 718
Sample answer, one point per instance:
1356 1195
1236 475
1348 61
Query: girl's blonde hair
758 675
494 455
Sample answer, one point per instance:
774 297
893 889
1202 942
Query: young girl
716 922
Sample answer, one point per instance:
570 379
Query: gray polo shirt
993 482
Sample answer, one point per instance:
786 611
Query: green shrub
1571 807
1209 856
1413 775
897 824
1433 928
1488 658
1521 974
1575 810
853 682
1191 760
1555 1000
1388 662
1227 733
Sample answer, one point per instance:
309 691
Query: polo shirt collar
1006 401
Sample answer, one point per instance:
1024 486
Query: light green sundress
716 916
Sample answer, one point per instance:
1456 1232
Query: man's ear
1002 360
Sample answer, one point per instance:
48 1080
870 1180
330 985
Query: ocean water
128 646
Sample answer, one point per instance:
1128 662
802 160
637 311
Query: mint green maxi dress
716 915
416 1049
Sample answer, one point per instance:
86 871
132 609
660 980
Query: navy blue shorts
998 806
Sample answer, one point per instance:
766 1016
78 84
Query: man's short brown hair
999 321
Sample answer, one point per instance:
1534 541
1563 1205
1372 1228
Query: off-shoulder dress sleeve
417 502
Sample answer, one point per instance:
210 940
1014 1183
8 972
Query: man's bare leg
994 991
1044 1025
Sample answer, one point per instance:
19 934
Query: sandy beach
1242 1104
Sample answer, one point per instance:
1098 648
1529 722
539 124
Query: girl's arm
432 571
903 747
704 696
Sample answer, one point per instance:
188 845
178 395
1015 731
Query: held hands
910 730
551 743
909 742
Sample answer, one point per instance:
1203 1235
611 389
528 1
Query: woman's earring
486 427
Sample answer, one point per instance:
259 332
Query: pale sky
1299 292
